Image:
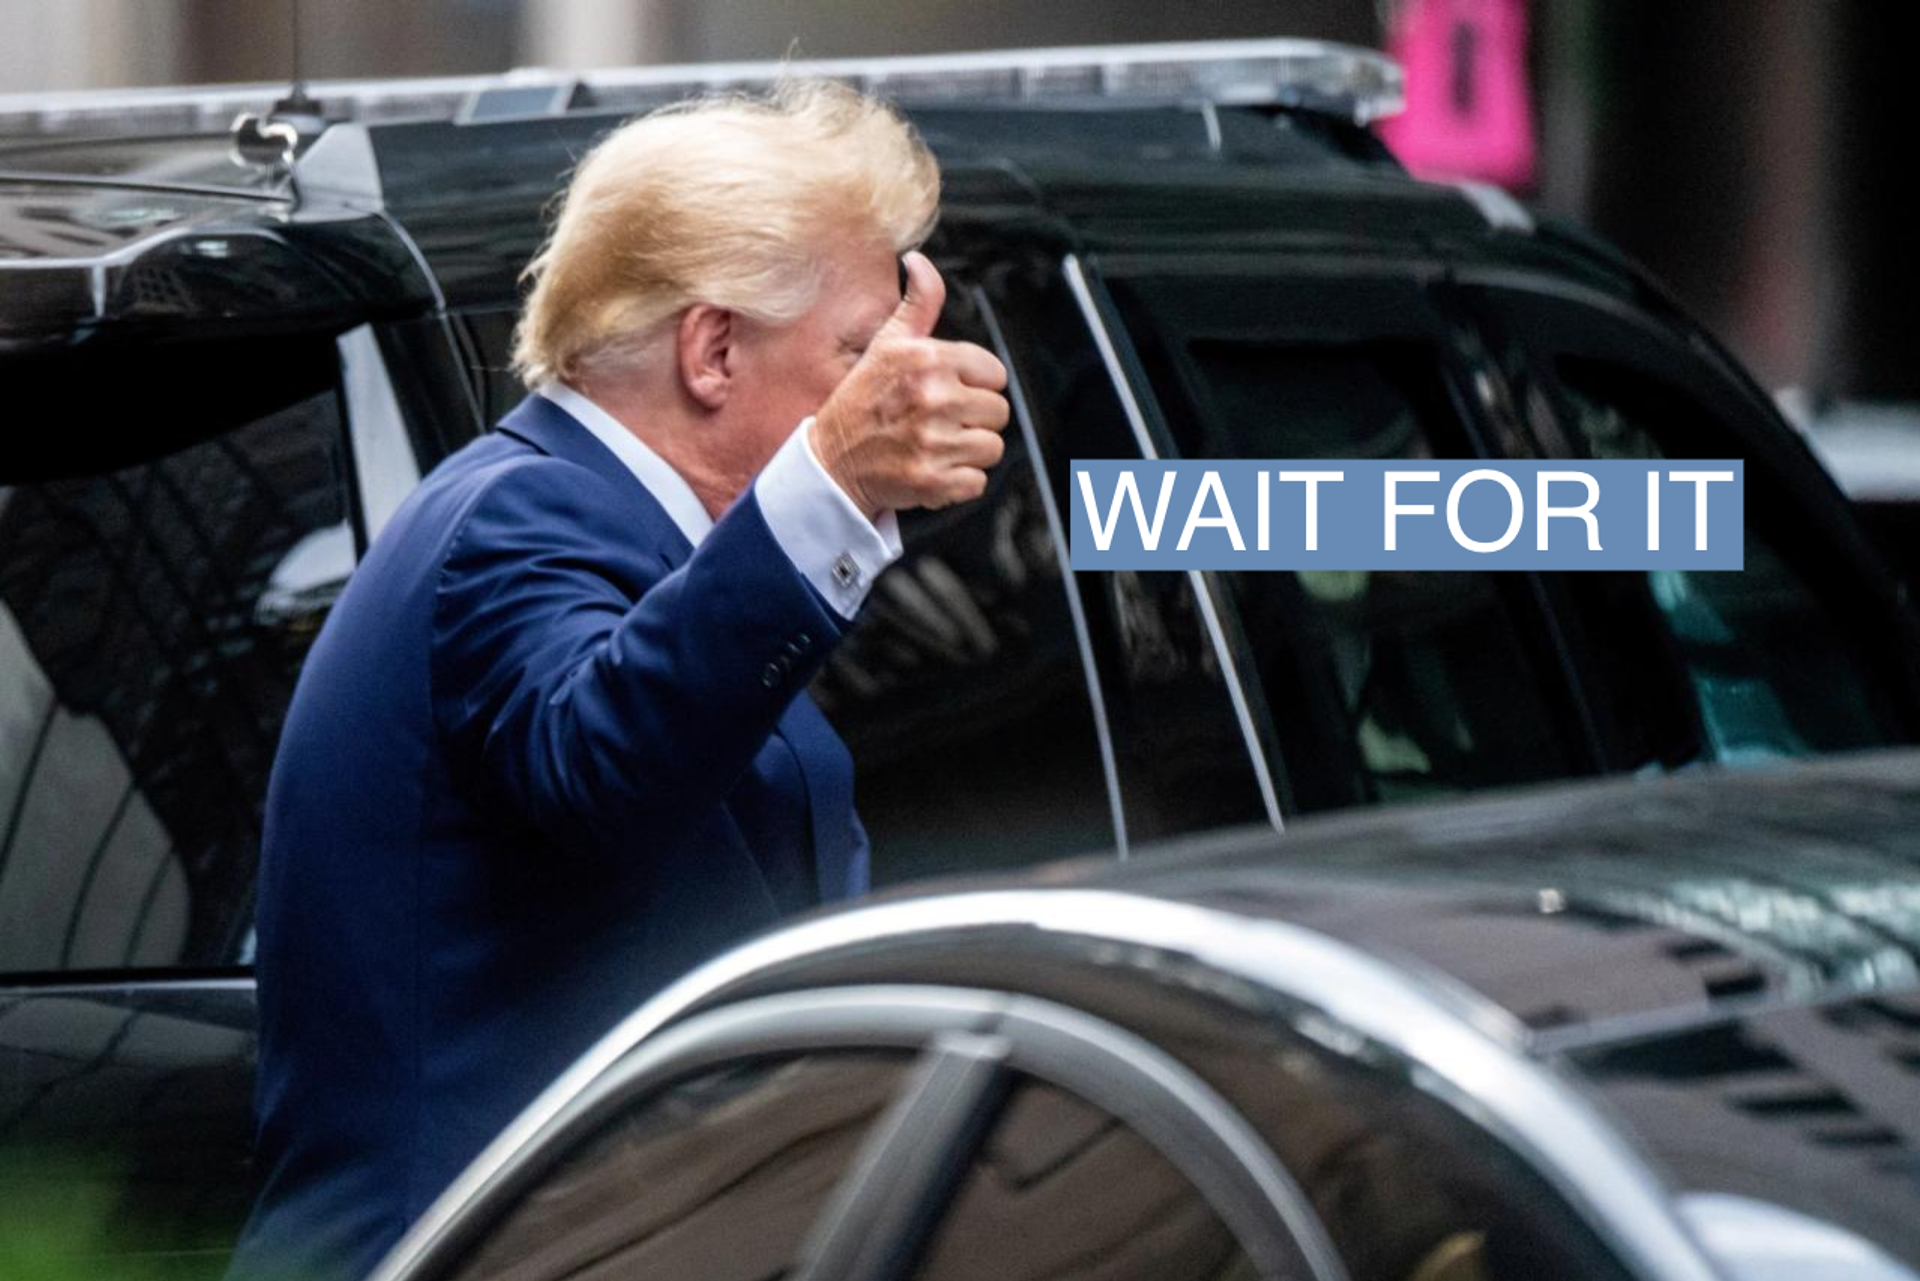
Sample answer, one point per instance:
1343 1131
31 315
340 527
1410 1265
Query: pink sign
1469 112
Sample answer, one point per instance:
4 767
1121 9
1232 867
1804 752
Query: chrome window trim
899 1189
1501 210
1076 610
1759 1241
719 1036
384 467
122 983
1448 1041
1200 581
1200 1134
1052 1041
1211 115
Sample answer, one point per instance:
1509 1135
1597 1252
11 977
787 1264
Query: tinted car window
1061 1189
1382 686
1689 666
153 616
1772 670
717 1179
1180 750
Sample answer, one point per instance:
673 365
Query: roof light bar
1357 84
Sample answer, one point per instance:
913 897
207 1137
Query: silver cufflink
845 571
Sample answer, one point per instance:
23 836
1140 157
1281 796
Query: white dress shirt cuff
828 539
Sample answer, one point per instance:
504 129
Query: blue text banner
1407 514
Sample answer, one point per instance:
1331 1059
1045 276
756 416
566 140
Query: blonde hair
728 201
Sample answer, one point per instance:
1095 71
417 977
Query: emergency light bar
1354 84
1357 84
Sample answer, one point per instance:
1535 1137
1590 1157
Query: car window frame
970 1044
427 362
1021 416
1041 318
1224 632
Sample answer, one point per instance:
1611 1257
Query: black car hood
1816 1107
1601 910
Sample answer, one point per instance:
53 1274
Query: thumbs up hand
917 421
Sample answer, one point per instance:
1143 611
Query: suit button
771 676
804 641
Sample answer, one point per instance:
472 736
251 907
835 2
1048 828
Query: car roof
474 197
424 172
78 217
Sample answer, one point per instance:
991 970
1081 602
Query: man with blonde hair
553 745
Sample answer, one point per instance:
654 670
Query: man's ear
705 349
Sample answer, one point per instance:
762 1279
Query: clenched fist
917 421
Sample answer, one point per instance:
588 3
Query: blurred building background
1746 151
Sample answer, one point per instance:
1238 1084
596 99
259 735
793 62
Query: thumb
919 309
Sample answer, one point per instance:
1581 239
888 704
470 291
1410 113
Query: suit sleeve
608 722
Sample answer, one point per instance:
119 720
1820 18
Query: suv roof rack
1355 84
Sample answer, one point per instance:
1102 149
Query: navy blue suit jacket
544 757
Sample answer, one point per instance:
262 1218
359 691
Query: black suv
229 353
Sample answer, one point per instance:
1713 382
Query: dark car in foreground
1626 1028
229 354
1618 1030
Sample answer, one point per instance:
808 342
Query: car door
161 578
1188 743
125 1126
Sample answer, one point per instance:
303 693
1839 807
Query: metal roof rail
1360 85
